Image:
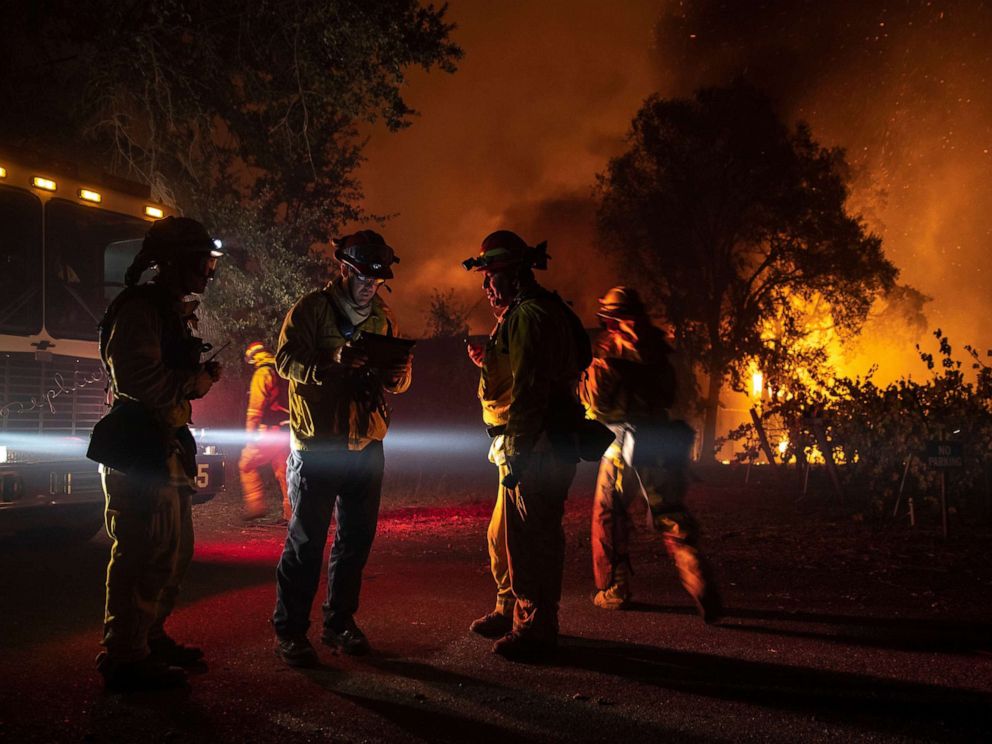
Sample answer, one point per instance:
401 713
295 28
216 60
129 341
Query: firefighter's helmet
505 248
367 252
175 236
255 347
621 303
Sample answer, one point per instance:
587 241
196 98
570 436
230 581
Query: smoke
904 88
547 91
513 140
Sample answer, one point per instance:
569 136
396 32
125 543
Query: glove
350 357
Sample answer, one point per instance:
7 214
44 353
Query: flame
757 384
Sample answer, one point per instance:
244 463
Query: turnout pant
346 485
535 541
621 490
499 563
146 524
256 456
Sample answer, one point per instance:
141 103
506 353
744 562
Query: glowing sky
546 91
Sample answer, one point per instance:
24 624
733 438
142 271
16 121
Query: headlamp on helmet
505 248
367 253
176 236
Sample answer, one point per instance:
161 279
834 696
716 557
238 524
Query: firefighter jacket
330 407
268 401
631 380
152 357
532 365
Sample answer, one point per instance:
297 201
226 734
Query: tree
735 225
245 114
446 317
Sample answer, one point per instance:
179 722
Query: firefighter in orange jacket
630 386
268 439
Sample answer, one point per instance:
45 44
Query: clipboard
383 352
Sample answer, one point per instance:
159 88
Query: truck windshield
20 262
76 283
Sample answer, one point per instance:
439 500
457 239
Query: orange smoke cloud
547 90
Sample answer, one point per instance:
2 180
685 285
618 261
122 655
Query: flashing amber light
757 384
43 183
90 196
3 172
155 212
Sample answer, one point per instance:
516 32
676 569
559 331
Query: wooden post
943 503
828 456
802 465
902 485
762 437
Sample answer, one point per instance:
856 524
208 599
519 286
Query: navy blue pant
344 484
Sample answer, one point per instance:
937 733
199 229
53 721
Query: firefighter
147 452
338 418
530 369
630 386
268 440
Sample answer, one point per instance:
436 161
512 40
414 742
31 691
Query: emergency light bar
43 183
90 196
155 212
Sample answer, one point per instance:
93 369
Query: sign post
942 456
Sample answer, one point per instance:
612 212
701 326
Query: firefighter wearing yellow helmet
530 369
630 386
266 419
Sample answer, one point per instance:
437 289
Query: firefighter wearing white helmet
266 426
630 386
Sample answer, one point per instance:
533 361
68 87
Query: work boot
517 646
133 676
709 604
296 651
492 625
169 652
614 597
349 639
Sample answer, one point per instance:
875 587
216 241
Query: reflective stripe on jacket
268 403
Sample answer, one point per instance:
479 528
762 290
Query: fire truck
66 238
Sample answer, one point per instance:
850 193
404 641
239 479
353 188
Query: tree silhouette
736 227
242 113
446 317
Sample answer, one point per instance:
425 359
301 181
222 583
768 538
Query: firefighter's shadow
884 705
419 713
432 714
891 633
63 592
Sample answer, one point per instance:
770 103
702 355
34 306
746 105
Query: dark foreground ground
837 631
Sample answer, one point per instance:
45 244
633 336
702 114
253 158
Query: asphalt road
836 632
